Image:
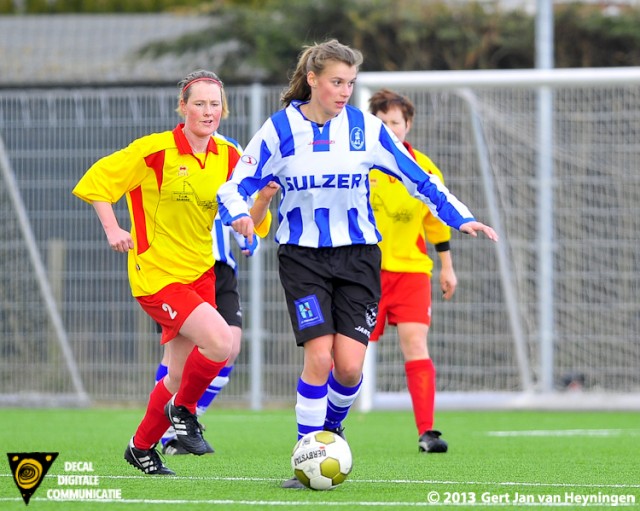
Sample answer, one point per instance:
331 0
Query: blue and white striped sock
214 388
339 401
311 407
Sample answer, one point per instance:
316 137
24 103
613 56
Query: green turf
493 456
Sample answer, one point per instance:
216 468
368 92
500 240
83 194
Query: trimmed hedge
394 35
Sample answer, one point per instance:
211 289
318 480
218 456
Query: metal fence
52 136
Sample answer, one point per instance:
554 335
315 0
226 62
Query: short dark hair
384 99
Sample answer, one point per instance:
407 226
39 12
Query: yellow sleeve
435 230
263 229
108 179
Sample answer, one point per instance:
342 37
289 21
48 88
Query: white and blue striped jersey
222 251
221 234
323 174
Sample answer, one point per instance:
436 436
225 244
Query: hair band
201 79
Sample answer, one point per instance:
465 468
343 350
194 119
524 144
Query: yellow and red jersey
171 196
405 223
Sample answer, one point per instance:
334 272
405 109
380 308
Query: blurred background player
228 302
406 224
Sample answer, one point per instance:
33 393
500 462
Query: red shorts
406 298
171 306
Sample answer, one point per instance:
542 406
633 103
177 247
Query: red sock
196 377
155 422
421 381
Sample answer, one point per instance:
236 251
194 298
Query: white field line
566 432
228 502
298 504
629 489
370 481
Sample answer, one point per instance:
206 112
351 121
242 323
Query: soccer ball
321 460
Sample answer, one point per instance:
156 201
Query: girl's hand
472 228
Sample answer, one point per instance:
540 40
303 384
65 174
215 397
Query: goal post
486 131
34 372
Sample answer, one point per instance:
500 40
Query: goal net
37 366
549 158
547 317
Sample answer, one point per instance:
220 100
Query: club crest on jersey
248 159
356 139
183 171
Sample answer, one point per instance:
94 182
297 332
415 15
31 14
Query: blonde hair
315 58
200 76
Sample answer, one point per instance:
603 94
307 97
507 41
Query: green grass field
545 459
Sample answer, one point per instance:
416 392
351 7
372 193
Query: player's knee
348 373
233 354
319 362
236 343
217 343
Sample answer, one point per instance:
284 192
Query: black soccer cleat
188 429
173 448
338 431
148 461
209 447
293 484
430 441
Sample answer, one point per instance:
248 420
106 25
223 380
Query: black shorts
331 290
227 295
